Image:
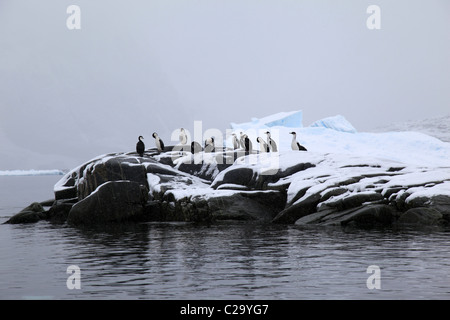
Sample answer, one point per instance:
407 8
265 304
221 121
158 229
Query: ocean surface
219 261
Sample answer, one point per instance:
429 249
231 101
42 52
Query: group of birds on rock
243 142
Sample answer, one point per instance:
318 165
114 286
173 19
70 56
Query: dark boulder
68 188
352 201
298 210
113 169
59 211
370 216
204 171
240 175
33 213
262 206
422 217
113 201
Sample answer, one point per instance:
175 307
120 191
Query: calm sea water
220 261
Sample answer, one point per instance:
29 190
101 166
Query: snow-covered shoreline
344 178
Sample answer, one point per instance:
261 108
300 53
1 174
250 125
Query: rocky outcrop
285 188
33 213
112 201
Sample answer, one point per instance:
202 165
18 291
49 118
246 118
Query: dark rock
33 213
204 170
157 168
47 203
59 211
298 210
242 206
68 189
113 201
240 175
289 171
114 169
332 192
359 198
351 201
370 216
152 211
441 203
300 193
421 216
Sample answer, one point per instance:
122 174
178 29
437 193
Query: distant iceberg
338 123
291 119
31 172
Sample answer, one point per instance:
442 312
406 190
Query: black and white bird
294 144
247 143
183 136
262 145
241 140
159 143
272 145
236 143
195 147
140 146
209 145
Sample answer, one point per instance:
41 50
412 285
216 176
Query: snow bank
336 135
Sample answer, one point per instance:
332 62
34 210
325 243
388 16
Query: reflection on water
222 261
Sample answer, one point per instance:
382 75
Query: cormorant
294 144
271 143
241 140
209 145
263 145
140 146
247 143
235 141
183 136
159 143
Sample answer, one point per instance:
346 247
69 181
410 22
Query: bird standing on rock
209 145
236 143
272 145
294 144
140 146
247 143
159 143
241 140
183 136
263 145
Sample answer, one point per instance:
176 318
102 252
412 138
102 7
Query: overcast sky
138 66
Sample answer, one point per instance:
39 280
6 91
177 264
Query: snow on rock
345 176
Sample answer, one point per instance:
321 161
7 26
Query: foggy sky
141 66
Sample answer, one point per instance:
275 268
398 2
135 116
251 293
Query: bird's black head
140 137
154 135
257 139
292 132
